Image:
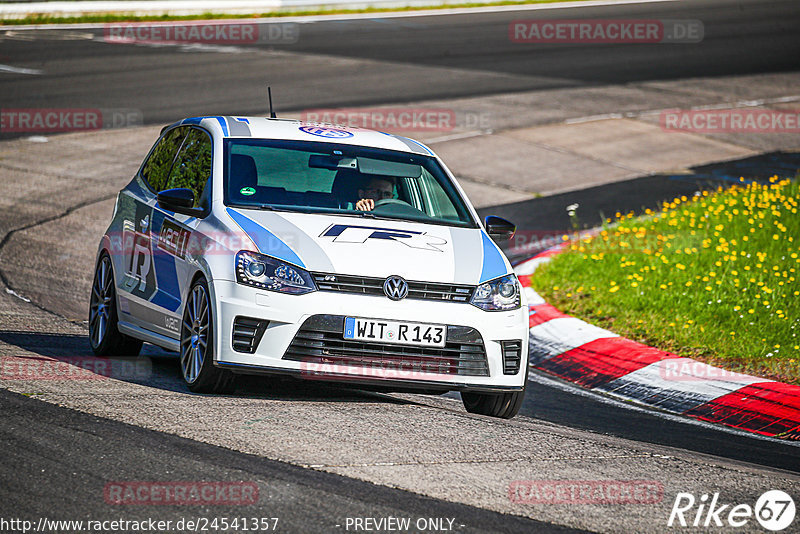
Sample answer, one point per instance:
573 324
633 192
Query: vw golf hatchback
252 245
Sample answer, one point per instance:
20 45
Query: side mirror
499 228
179 200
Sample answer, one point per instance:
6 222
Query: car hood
374 247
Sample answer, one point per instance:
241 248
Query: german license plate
431 335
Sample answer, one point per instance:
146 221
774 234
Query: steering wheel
387 201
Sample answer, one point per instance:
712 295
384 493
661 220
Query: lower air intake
512 356
247 333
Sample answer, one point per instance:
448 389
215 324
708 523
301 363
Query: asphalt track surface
461 55
392 60
42 478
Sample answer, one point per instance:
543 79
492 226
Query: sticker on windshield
320 131
247 191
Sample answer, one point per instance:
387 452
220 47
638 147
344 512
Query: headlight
499 294
265 272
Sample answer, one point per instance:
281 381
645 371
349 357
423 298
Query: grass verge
45 18
713 277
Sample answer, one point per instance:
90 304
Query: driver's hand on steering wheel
365 204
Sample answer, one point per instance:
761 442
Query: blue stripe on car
423 147
168 290
493 264
197 120
222 122
267 242
410 143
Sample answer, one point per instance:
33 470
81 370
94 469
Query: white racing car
255 245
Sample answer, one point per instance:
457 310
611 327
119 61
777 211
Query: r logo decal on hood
346 233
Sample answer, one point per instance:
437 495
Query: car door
172 232
139 282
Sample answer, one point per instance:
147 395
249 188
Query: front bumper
284 316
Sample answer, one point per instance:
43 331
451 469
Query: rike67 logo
774 510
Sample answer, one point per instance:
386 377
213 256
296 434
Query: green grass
45 18
712 277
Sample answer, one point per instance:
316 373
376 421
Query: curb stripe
541 313
600 362
658 386
767 408
534 299
563 334
598 359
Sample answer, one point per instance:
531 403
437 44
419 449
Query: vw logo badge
395 288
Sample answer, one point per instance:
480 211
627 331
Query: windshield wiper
267 207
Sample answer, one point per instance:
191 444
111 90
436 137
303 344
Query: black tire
502 405
104 335
197 345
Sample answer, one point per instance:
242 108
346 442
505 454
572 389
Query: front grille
321 340
374 286
247 333
512 356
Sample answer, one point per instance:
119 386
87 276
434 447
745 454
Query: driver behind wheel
377 188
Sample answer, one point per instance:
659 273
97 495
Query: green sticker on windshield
247 191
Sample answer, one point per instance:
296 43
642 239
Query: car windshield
342 179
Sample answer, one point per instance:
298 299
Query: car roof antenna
271 111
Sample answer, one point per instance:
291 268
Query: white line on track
721 105
15 294
386 15
462 135
19 70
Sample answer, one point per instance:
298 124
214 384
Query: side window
192 168
156 169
